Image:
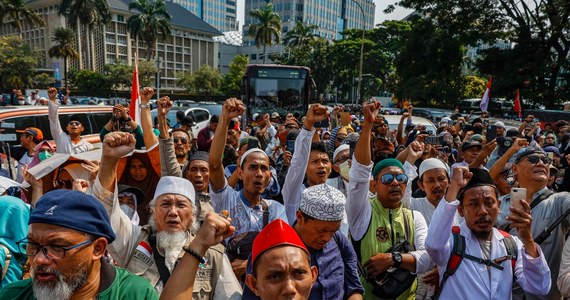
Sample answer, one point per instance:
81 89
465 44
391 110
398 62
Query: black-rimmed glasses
51 252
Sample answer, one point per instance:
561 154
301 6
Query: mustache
483 220
396 189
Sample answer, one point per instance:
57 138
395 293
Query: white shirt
62 140
472 278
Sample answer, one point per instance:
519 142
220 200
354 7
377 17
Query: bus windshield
277 89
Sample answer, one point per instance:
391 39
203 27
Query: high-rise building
330 16
219 13
189 46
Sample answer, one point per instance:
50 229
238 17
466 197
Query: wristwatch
144 106
397 258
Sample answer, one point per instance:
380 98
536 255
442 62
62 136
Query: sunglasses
533 159
389 178
181 140
68 184
74 123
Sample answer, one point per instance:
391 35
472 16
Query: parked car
394 120
93 118
200 116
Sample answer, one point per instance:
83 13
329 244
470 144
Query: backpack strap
7 261
512 251
457 253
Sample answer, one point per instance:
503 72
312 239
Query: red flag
518 107
486 96
134 109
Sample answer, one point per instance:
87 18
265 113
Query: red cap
276 233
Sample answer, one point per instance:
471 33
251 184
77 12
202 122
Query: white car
394 120
201 117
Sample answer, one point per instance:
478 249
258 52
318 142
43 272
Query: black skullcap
480 177
199 155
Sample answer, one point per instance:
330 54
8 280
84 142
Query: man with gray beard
67 256
152 251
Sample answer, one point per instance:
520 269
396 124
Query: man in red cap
279 250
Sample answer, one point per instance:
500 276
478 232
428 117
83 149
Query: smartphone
251 144
433 140
290 146
491 133
517 194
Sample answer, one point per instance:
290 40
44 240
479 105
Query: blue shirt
332 271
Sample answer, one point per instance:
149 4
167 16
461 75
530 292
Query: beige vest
141 264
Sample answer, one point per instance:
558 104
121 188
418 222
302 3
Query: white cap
323 202
175 185
255 116
446 120
250 151
499 124
432 163
340 149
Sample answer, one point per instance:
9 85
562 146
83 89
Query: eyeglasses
342 159
74 123
68 184
340 138
180 140
51 252
533 159
389 178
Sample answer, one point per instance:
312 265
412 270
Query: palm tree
153 20
18 11
87 12
268 28
301 35
64 37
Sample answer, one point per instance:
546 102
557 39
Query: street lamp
361 53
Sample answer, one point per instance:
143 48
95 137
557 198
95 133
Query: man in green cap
377 225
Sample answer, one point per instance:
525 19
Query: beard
63 288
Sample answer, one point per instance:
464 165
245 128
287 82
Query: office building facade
221 14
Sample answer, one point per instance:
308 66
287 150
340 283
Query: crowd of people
288 209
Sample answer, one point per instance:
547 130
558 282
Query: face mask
326 141
44 155
21 102
344 169
129 211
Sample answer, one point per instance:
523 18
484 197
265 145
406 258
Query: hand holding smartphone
518 194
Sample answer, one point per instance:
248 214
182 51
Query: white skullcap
340 149
175 185
432 163
446 120
499 124
250 151
323 202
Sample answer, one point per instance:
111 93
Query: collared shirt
62 140
472 278
244 217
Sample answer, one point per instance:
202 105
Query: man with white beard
68 234
152 251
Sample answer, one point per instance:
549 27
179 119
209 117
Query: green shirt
124 286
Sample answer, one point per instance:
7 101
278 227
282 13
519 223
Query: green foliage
18 12
429 65
300 35
89 81
89 12
473 87
147 73
17 62
64 37
231 81
151 21
205 81
120 76
43 80
540 30
267 29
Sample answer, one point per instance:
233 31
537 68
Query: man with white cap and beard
152 251
319 217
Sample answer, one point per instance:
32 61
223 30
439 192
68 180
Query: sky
398 14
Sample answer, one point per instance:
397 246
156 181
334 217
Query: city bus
277 88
